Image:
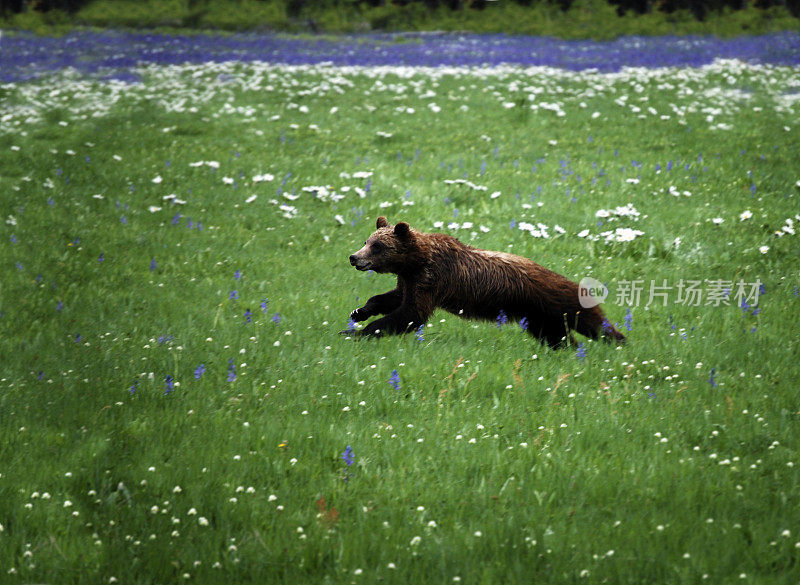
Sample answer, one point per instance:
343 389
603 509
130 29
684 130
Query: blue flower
351 325
264 304
234 295
502 318
231 371
394 380
199 371
134 387
237 275
712 379
628 319
348 457
248 316
418 335
169 384
581 353
523 323
276 318
153 264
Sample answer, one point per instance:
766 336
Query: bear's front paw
359 315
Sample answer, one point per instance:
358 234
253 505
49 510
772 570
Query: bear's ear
382 222
402 230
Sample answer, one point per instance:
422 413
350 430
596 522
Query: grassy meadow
176 403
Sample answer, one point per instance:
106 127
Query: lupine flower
712 379
102 257
248 316
351 326
502 318
234 295
134 387
176 218
60 306
628 319
78 337
169 383
523 323
199 371
264 304
744 306
394 380
153 264
237 275
276 318
418 335
347 456
581 353
231 371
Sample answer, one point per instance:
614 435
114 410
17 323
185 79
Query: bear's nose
352 260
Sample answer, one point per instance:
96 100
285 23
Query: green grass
585 19
496 460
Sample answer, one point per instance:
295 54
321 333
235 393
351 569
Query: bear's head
387 250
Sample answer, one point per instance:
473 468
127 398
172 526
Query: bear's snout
353 259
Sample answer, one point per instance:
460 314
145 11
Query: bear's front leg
378 305
402 320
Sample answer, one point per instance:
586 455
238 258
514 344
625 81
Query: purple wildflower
418 335
712 379
169 384
523 323
348 457
153 264
264 304
231 371
581 353
502 318
276 318
628 319
234 295
248 316
199 371
394 380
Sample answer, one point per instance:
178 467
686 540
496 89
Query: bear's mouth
359 264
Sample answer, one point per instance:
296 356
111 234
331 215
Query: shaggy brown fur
437 271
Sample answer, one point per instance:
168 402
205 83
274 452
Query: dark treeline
699 8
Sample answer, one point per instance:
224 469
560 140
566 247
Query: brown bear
438 271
